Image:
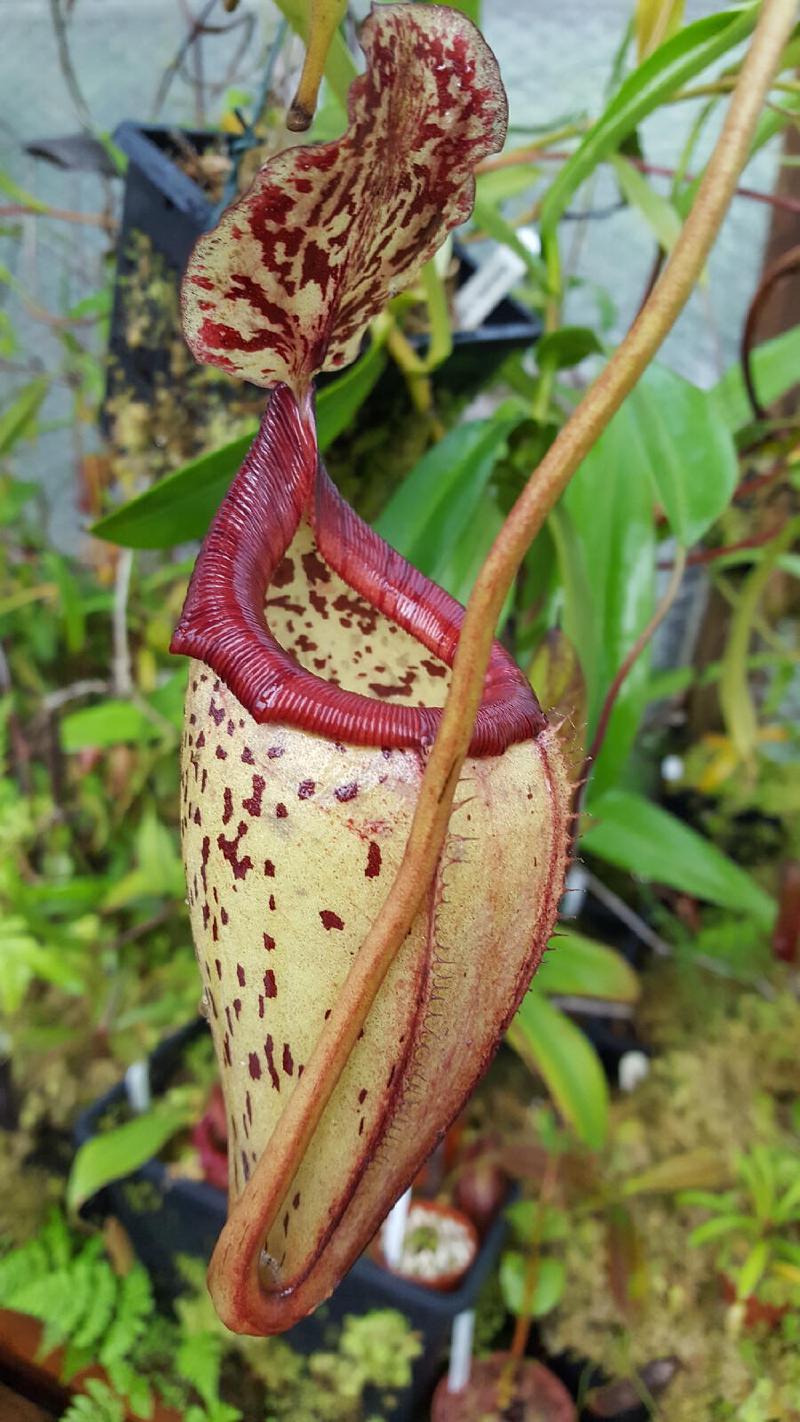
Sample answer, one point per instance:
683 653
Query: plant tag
634 1068
137 1086
460 1368
393 1232
493 280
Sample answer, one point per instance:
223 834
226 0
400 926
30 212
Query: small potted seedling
505 1388
755 1230
438 1246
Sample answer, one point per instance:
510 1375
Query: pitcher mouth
225 621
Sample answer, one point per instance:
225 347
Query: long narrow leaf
678 1172
671 66
718 1228
118 1152
637 835
657 211
568 1064
753 1269
610 503
580 967
437 502
15 422
689 455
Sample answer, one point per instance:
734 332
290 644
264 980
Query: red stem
776 272
710 555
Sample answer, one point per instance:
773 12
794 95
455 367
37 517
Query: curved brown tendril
776 272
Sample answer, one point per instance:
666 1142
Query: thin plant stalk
524 1319
240 1245
325 16
632 656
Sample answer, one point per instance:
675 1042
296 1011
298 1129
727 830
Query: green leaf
718 1202
580 624
71 605
784 1249
137 1392
753 1269
158 872
181 506
15 422
788 1202
21 958
110 724
99 1312
119 1152
692 1168
491 221
548 1288
551 1045
757 1170
504 183
736 699
667 70
530 1219
654 21
437 502
774 120
21 195
776 369
688 454
637 835
8 336
610 504
338 403
25 959
657 211
579 967
115 722
717 1228
666 445
198 1360
566 347
97 1403
458 567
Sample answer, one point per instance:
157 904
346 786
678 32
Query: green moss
369 1355
27 1194
722 1089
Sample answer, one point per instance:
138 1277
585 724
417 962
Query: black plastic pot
172 210
166 1216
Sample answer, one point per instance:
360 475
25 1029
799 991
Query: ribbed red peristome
223 621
